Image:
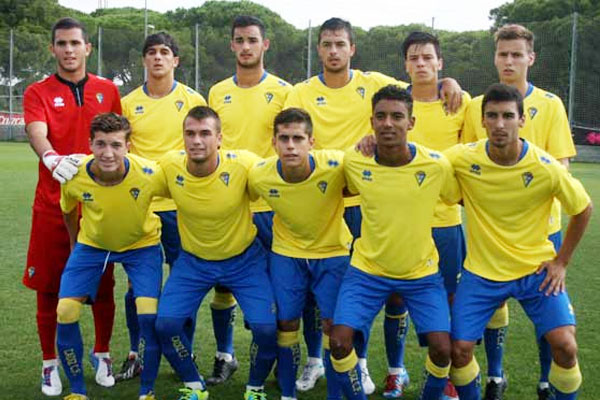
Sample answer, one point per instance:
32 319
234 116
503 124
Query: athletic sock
70 349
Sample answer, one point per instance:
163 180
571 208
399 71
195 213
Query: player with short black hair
58 111
156 111
219 246
546 126
399 189
310 249
508 186
251 87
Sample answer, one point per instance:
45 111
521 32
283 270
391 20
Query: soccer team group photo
303 210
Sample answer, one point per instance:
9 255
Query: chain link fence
567 63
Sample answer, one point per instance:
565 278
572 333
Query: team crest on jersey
545 159
147 170
475 169
420 177
273 193
532 112
100 97
333 163
269 96
59 102
30 272
139 110
322 186
367 175
361 91
224 178
179 180
321 101
227 99
134 192
527 178
179 105
87 196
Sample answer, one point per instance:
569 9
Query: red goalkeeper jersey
67 108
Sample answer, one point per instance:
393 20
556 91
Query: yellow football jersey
506 207
397 205
157 124
340 117
213 212
247 116
437 130
116 218
546 126
309 215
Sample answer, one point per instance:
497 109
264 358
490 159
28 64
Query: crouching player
219 246
114 190
399 190
310 250
508 187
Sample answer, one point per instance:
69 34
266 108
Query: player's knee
146 305
68 310
169 327
439 347
462 353
288 325
564 346
340 341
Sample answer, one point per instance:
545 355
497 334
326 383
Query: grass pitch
20 355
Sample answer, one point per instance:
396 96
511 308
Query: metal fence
567 63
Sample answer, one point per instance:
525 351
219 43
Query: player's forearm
37 133
72 223
577 226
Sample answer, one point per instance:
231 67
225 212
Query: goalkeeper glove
63 168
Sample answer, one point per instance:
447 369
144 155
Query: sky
456 15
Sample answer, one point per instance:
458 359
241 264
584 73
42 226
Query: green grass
20 356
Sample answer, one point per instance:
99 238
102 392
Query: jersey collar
76 88
322 77
262 78
88 168
145 88
411 147
311 161
523 150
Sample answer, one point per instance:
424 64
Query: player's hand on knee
556 272
63 168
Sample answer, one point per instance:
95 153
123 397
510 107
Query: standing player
338 101
156 111
58 111
546 126
399 190
439 131
251 87
508 186
114 191
310 249
219 246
